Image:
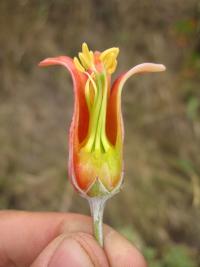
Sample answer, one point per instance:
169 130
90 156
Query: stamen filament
97 139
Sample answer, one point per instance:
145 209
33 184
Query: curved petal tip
161 67
149 67
44 62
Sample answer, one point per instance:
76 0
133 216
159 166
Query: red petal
80 115
80 120
114 122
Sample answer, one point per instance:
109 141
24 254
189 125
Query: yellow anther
78 65
110 64
87 54
92 56
86 58
108 57
108 61
85 48
112 68
113 50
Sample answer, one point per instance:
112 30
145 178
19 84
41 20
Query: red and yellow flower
96 132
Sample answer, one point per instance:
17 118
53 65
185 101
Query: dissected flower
96 133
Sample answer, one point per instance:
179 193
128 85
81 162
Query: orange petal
79 79
114 122
80 120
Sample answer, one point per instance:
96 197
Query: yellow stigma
86 59
109 59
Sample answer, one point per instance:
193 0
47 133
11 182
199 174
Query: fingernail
70 254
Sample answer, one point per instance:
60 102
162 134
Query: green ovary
105 167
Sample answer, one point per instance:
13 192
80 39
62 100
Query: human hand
60 240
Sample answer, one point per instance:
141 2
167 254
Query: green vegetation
171 255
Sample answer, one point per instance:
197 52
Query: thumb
74 250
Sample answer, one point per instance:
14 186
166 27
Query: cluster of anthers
88 60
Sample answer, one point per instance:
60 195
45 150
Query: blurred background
159 206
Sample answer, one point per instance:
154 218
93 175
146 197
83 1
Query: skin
58 240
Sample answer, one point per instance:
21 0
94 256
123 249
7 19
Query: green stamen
97 139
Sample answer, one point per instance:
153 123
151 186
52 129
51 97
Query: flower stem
97 205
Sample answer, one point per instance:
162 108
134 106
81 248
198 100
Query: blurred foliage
171 255
193 106
194 61
185 27
161 195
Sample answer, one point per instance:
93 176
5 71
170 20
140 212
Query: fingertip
77 249
121 252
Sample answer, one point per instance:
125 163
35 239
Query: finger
24 235
121 252
72 250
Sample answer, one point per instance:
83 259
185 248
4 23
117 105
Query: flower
96 132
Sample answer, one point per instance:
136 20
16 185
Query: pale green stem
97 205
